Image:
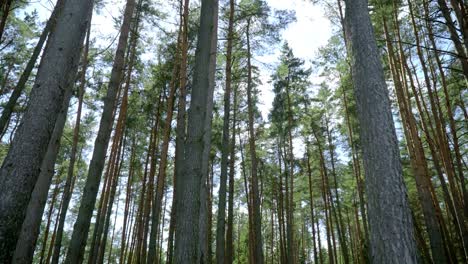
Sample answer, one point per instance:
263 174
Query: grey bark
26 244
81 227
187 233
391 226
21 167
204 254
180 131
67 191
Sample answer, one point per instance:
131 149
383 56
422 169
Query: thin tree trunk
221 219
229 256
49 221
462 56
161 180
116 174
81 227
18 90
418 162
311 199
128 200
5 11
338 215
257 218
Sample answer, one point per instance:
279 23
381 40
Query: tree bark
26 244
81 227
187 233
229 256
21 168
392 235
221 219
67 191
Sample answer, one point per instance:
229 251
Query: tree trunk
462 56
9 107
21 167
312 213
5 9
257 218
26 244
392 236
205 213
67 191
180 131
161 180
221 219
418 161
49 220
187 233
229 256
81 227
128 201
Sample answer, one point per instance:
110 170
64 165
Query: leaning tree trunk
5 9
187 228
26 244
21 167
392 236
67 191
81 227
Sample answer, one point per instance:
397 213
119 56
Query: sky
311 31
305 36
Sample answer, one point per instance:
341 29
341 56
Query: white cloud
305 36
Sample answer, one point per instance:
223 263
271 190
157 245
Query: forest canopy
233 131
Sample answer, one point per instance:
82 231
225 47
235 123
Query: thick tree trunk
392 235
81 227
67 191
205 193
21 168
188 207
26 244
